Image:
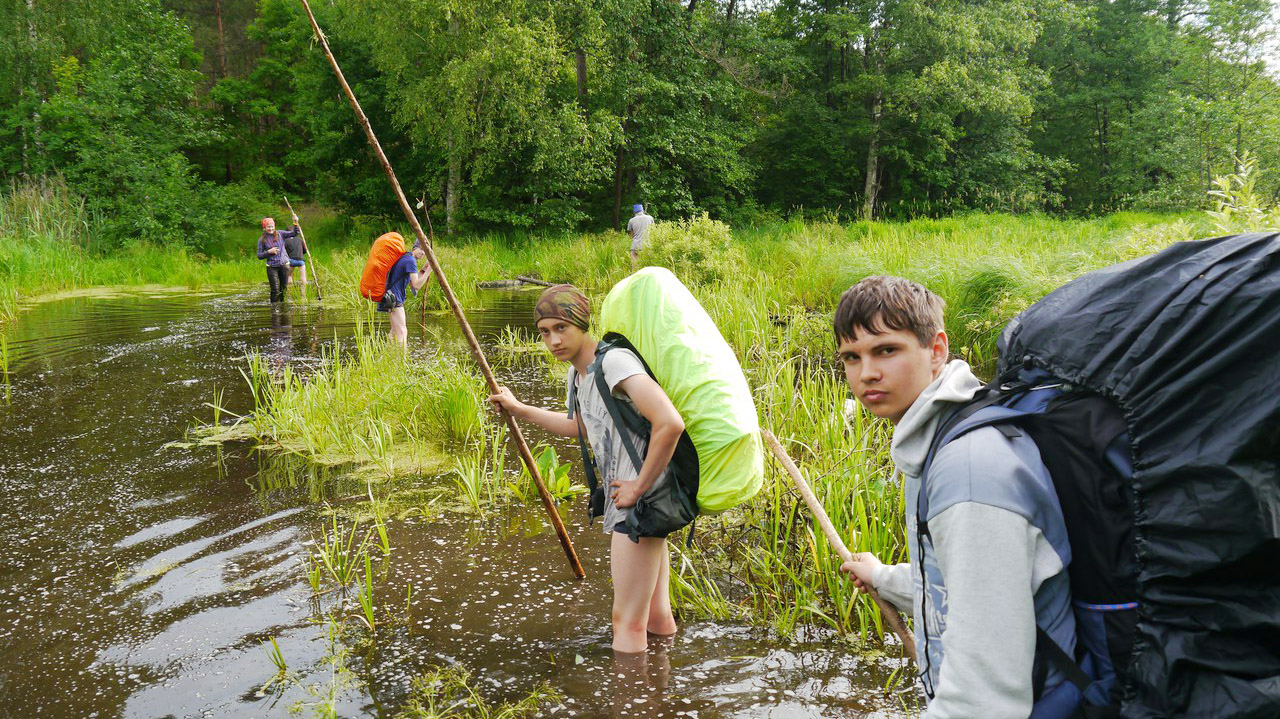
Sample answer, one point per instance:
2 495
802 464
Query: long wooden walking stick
431 238
891 616
547 502
303 236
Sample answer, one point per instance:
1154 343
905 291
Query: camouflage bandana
564 302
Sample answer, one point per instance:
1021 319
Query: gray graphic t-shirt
612 461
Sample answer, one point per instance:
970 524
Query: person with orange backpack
389 274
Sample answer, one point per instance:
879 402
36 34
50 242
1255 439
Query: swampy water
141 580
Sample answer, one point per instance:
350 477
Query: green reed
371 405
449 693
276 656
4 367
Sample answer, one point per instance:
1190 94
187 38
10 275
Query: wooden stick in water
525 454
303 236
890 614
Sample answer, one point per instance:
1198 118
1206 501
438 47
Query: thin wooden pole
890 614
525 454
431 237
303 236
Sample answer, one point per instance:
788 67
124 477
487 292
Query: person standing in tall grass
638 228
983 576
271 248
641 570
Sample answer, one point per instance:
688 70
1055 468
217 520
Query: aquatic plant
448 693
4 367
366 595
340 550
555 476
373 406
276 656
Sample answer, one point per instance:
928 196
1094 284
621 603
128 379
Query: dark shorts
389 302
297 263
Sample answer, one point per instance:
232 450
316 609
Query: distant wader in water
271 248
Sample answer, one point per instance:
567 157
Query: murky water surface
138 580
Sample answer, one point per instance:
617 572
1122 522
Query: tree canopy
171 117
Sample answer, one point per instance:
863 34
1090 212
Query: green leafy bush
699 250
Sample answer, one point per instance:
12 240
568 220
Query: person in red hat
272 249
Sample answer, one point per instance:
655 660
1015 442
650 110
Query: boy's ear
939 350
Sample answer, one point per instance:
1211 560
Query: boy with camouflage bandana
641 571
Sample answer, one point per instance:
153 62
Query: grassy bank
47 245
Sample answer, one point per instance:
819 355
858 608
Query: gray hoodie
993 561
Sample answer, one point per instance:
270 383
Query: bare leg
635 260
303 274
661 620
636 569
399 327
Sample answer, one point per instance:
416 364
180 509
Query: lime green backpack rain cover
701 375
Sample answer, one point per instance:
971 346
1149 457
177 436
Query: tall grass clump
373 405
450 693
47 244
699 250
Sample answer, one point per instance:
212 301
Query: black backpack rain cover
1187 343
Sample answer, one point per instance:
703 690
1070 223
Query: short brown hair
883 302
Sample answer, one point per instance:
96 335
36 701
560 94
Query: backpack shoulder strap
624 418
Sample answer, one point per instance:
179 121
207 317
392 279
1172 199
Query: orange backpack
386 250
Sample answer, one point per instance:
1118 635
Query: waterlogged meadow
772 291
372 411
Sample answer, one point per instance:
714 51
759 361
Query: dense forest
176 118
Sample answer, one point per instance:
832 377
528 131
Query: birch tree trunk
871 190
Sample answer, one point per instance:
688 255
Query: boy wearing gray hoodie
982 574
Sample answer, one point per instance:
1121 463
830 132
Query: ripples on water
141 581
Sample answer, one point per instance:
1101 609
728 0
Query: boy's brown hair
883 302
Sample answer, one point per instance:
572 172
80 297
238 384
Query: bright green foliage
173 119
450 693
375 408
699 250
105 97
913 105
555 475
1238 206
1152 99
47 245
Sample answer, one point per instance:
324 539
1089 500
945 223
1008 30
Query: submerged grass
450 693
